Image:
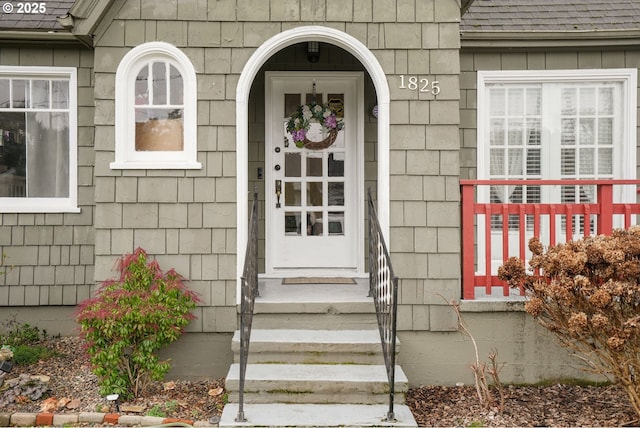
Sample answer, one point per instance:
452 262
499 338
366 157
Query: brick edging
23 419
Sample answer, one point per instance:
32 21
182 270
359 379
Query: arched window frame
126 156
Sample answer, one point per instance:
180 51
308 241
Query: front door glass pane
314 194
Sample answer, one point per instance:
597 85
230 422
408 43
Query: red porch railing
512 224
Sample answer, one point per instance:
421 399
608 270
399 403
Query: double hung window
553 125
38 155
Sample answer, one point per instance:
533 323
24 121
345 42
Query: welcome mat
317 280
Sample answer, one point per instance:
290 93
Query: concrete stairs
315 359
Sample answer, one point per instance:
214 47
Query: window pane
568 161
175 86
533 132
568 136
292 163
159 83
587 131
497 132
292 194
292 223
587 101
47 154
40 93
605 131
533 162
5 101
515 162
516 102
291 104
515 131
314 224
314 164
496 101
587 161
142 86
605 101
20 94
159 130
605 161
336 164
13 155
336 223
314 194
336 194
534 99
497 162
569 101
59 94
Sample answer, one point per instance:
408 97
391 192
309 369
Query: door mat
316 280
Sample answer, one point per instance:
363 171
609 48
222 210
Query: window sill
14 208
155 165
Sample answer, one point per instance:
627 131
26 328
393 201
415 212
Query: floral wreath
300 121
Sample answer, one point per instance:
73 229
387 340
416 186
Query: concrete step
312 346
316 415
316 383
314 306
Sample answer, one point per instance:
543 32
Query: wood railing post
468 241
605 201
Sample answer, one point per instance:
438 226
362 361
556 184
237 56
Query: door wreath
300 121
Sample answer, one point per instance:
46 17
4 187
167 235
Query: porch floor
272 290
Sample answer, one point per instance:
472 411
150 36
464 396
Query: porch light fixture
313 51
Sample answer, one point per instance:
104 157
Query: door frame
355 78
260 56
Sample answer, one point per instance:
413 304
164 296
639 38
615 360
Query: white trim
50 205
249 72
126 157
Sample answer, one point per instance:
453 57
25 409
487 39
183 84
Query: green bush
15 334
587 293
130 320
30 354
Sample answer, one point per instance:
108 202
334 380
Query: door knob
277 167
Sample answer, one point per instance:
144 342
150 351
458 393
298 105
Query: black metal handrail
249 291
383 287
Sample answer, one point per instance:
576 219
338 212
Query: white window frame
126 157
54 204
624 163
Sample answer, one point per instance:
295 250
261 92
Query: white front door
314 204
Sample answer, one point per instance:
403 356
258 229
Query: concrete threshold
326 415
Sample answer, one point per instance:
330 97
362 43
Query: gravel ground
555 405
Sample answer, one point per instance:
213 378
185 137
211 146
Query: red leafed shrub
130 319
587 293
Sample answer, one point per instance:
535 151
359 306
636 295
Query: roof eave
549 39
30 37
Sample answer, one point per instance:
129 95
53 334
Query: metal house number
421 84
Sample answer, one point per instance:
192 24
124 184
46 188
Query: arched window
156 109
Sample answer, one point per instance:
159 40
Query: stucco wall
51 255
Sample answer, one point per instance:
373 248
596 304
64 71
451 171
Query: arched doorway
256 62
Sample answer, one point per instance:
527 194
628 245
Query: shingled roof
551 15
35 21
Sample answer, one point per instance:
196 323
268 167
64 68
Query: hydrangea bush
130 319
587 293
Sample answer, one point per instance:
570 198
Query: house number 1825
422 84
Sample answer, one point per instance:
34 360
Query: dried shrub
130 320
587 293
